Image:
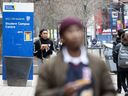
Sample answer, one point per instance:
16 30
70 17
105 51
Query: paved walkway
29 90
18 91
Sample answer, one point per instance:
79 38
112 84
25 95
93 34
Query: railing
98 51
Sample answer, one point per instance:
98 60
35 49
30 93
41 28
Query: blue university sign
18 31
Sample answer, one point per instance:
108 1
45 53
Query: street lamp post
85 26
121 12
111 21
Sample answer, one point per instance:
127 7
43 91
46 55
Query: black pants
124 76
118 78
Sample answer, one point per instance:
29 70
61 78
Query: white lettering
10 23
10 27
20 19
23 24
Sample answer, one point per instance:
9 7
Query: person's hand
73 87
43 46
69 89
47 48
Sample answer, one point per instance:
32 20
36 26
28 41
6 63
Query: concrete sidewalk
30 89
18 91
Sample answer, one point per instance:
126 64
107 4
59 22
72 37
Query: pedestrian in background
74 72
115 57
122 53
43 47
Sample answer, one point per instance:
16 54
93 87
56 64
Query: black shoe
118 90
126 94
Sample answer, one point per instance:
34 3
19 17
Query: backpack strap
121 46
39 42
40 46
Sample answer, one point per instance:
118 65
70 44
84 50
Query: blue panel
15 27
106 38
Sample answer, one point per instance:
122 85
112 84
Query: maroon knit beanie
67 22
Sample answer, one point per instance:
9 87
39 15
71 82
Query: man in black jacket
43 46
116 42
115 57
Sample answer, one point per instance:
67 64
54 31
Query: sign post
17 49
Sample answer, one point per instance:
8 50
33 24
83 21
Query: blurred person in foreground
74 72
43 46
122 54
115 57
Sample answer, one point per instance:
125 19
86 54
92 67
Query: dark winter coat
43 53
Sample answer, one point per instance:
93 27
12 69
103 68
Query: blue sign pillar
17 32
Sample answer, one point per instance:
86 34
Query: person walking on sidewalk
43 46
122 53
115 57
74 72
